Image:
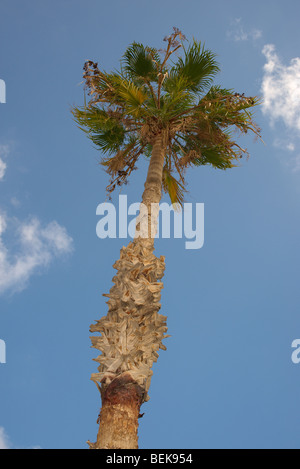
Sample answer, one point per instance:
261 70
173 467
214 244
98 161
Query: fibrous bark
133 330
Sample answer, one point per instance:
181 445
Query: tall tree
170 111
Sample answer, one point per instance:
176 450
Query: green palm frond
215 92
133 97
173 187
207 146
195 71
173 104
175 83
106 132
216 157
109 141
227 109
140 62
93 118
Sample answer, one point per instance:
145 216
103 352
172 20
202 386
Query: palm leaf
106 132
109 141
93 118
132 96
173 187
216 157
173 104
195 71
140 62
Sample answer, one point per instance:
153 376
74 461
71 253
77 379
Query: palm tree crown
153 94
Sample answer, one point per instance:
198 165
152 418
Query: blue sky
227 379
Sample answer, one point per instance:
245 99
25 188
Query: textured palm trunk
133 330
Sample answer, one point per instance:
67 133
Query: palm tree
170 111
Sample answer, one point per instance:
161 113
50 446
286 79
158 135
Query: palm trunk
133 330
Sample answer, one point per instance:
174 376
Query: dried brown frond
188 158
122 165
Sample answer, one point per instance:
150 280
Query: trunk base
121 402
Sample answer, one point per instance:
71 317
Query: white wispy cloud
4 441
284 144
289 156
26 247
35 248
281 102
2 169
238 32
4 152
15 202
281 89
